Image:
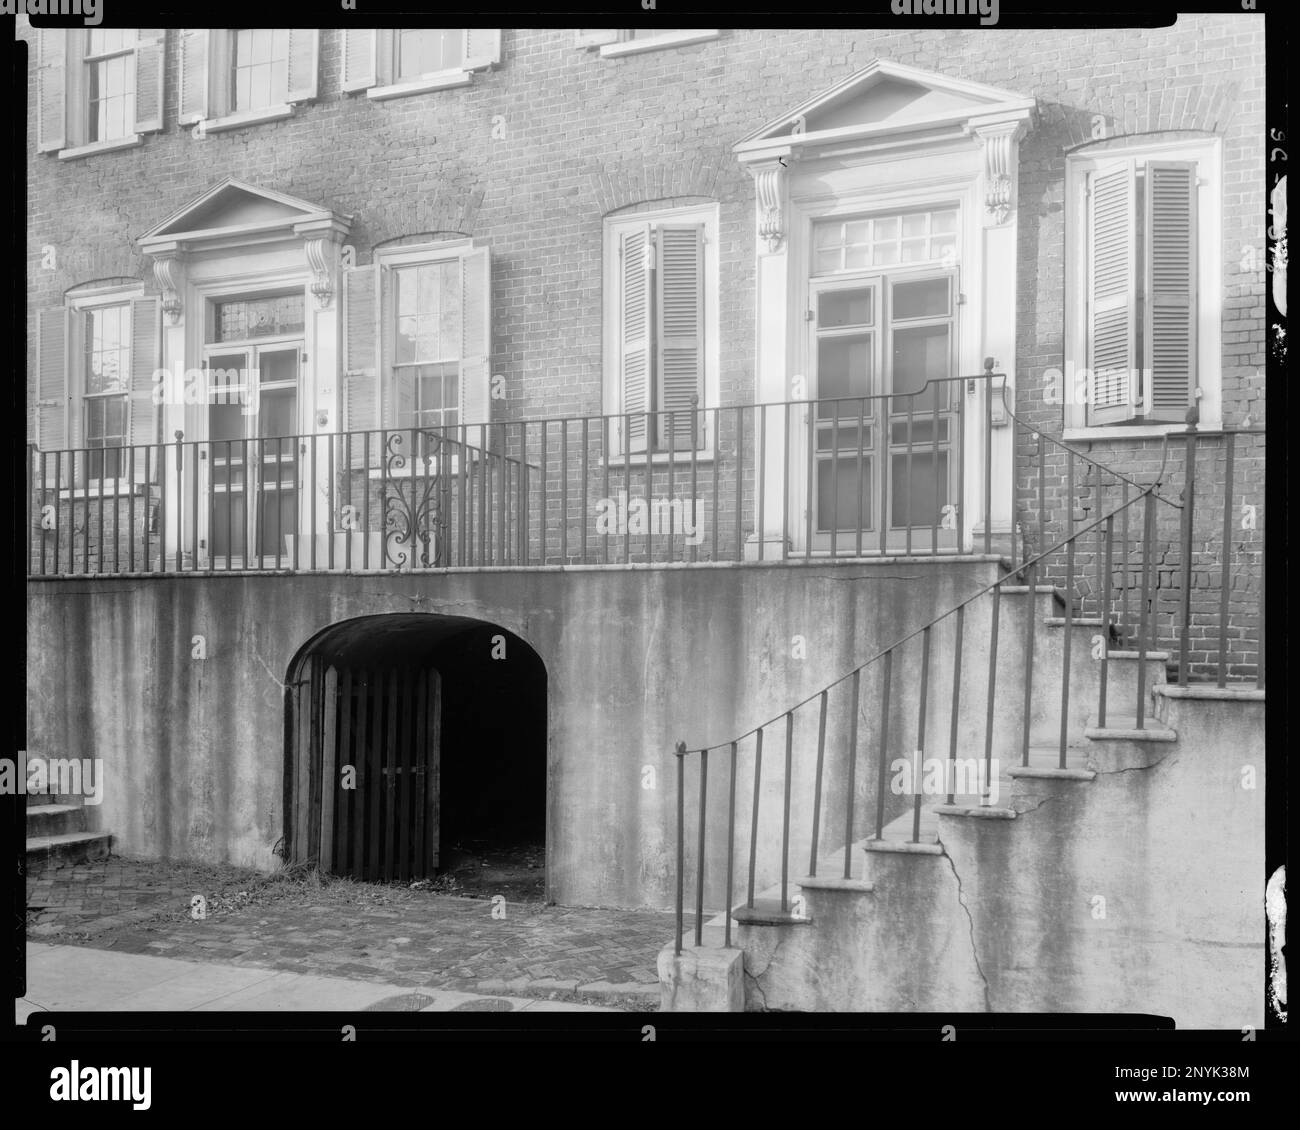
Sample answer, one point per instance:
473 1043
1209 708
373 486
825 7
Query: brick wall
587 136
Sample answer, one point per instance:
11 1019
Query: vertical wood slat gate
362 797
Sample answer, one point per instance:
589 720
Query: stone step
45 820
37 800
66 849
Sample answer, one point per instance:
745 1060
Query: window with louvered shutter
51 89
1112 293
636 255
194 74
679 335
146 358
361 373
1143 305
52 378
1170 289
150 52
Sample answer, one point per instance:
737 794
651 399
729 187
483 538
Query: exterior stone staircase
881 936
58 834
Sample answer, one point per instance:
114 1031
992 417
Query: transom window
247 318
259 65
428 344
423 51
106 375
110 82
856 244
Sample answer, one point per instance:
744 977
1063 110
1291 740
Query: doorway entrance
882 351
416 744
252 362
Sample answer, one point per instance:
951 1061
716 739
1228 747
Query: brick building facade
539 243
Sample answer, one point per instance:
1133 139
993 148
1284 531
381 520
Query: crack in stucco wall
970 921
1136 768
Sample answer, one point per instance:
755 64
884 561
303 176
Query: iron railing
1042 713
853 476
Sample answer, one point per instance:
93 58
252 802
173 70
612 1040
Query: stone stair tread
1116 730
42 843
51 809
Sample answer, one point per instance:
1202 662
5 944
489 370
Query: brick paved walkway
354 930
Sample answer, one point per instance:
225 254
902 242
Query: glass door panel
277 431
922 474
228 394
847 342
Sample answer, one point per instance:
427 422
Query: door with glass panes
882 438
252 363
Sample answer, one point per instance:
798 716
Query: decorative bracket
320 256
1001 160
167 274
769 182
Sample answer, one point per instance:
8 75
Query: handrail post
1225 557
1105 623
731 843
681 841
1189 503
699 850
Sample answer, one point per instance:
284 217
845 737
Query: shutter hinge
810 315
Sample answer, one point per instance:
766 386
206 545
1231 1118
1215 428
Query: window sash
257 82
452 51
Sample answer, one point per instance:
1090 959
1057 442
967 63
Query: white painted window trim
435 80
247 117
130 141
405 255
77 103
611 392
658 42
388 86
220 48
79 303
1208 155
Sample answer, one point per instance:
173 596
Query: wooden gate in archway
362 797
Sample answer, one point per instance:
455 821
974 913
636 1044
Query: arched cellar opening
416 748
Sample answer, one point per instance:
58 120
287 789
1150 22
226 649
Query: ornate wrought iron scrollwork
411 512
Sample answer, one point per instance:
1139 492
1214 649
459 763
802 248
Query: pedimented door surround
889 136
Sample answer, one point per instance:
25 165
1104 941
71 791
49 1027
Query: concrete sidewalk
77 978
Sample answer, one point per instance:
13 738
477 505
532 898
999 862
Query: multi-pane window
422 51
107 336
259 67
110 82
860 244
427 345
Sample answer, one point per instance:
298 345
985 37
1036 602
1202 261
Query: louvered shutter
476 342
149 51
359 58
52 380
51 89
595 37
482 47
194 75
304 63
1112 293
146 360
635 258
679 332
1170 316
361 374
397 402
